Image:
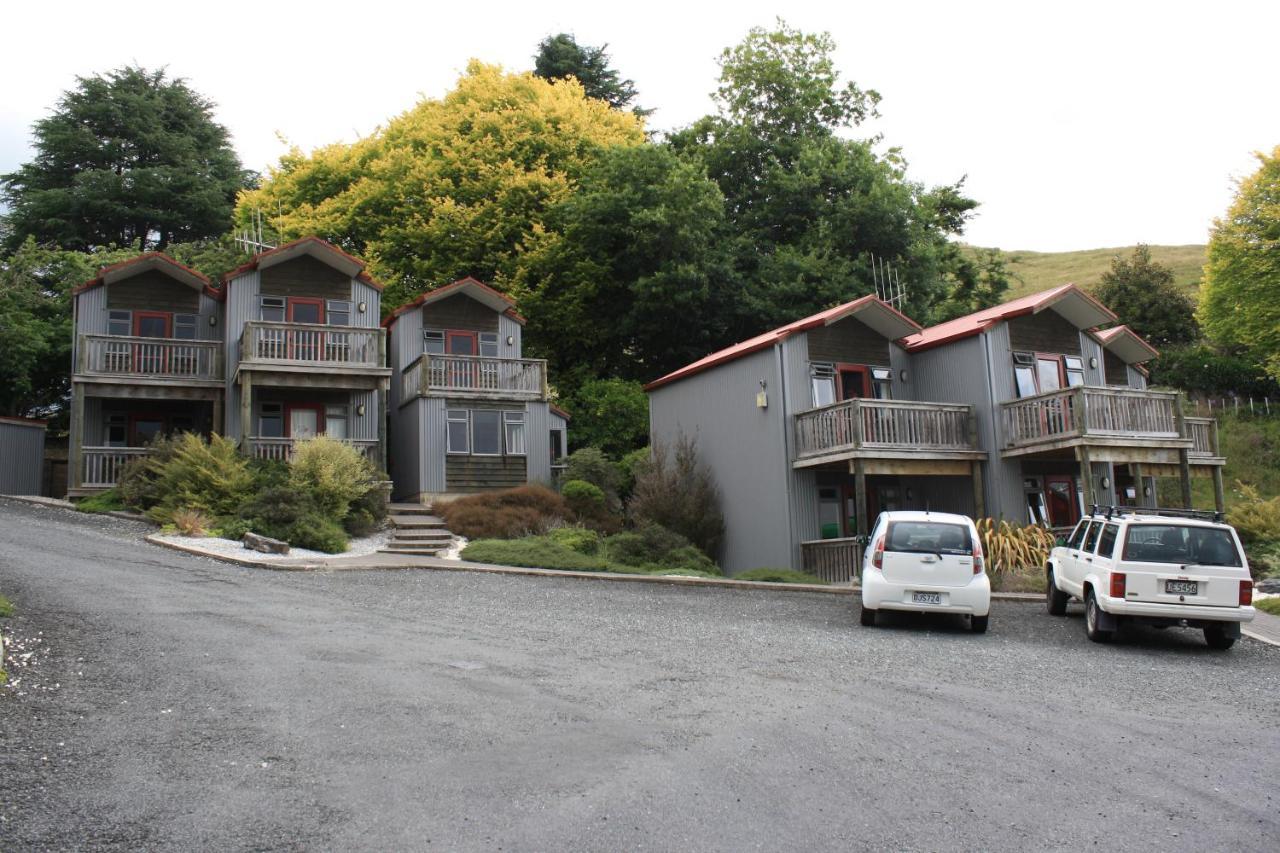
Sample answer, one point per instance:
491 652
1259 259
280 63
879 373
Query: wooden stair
416 531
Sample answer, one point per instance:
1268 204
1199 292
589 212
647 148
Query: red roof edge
31 422
561 412
252 263
422 297
102 272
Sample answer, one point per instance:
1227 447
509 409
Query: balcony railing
1203 433
281 449
833 560
853 425
1083 412
149 358
520 378
101 466
306 344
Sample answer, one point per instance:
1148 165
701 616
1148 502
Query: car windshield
928 537
1178 543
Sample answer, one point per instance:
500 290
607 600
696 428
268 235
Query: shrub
591 465
628 466
770 575
333 473
138 478
654 546
690 558
273 511
1268 605
1264 559
1009 547
675 490
232 528
210 477
359 523
108 501
191 522
506 514
612 414
580 539
1255 519
317 532
538 552
367 512
585 499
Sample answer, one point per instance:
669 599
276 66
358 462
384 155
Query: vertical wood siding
1089 348
801 489
369 295
21 458
241 307
537 437
509 328
430 444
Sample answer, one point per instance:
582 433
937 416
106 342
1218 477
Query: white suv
1163 567
928 562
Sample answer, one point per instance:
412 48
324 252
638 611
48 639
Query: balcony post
424 375
979 497
546 389
1184 459
1135 468
246 409
382 348
855 412
383 389
1219 496
1081 412
76 438
1086 474
860 495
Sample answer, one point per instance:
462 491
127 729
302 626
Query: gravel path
177 702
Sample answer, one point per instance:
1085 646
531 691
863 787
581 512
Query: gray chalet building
1024 411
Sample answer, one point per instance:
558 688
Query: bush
1264 559
108 501
690 558
210 477
138 478
628 466
1268 605
537 552
367 512
591 465
191 522
317 532
1255 519
768 575
273 511
676 491
334 474
611 414
232 528
507 514
585 499
580 539
653 547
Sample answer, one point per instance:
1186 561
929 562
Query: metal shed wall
372 299
241 307
21 456
801 485
509 328
1091 349
538 442
1136 379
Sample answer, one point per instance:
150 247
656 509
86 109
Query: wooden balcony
314 355
474 376
833 560
121 366
281 449
1205 449
888 430
100 466
1105 417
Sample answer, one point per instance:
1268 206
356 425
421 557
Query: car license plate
1181 587
926 598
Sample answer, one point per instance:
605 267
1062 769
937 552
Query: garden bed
218 546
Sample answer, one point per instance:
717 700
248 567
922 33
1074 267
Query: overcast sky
1078 125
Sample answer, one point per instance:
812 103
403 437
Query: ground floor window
514 423
485 432
336 422
458 433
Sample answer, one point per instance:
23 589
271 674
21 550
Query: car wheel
868 616
978 624
1055 600
1092 616
1218 639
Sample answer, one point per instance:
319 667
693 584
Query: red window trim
167 316
289 409
303 300
450 334
842 368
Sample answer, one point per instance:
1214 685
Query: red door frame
842 369
450 334
141 358
290 303
289 409
1073 511
462 375
134 417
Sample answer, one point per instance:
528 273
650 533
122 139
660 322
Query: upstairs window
489 344
822 378
882 383
433 342
1074 368
117 431
120 323
335 422
1024 374
339 312
271 309
184 327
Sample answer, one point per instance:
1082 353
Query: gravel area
233 548
174 702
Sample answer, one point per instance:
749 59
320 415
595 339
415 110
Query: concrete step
408 509
415 522
420 552
422 536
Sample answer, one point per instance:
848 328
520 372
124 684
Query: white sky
1080 125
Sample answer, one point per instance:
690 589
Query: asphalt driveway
167 701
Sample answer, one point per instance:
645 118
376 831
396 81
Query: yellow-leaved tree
453 187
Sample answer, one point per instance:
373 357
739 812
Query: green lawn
1252 447
1043 270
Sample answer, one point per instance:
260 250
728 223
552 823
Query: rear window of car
928 537
1179 543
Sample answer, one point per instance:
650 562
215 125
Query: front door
306 344
1060 495
855 381
151 358
304 421
145 428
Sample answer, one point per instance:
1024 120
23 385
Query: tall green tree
561 56
1142 293
1240 295
126 157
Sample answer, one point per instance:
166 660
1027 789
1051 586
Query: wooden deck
1099 417
313 355
887 429
475 377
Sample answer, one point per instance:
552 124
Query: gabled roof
476 289
1127 344
147 262
321 250
559 411
881 317
1071 302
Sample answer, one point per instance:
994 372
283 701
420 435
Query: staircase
416 531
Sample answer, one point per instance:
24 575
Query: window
928 537
823 378
1077 535
1024 374
335 422
881 383
557 445
339 312
433 342
271 309
829 513
271 421
184 327
460 343
489 344
1074 370
117 432
486 437
1107 542
120 323
1091 541
1048 373
514 423
457 435
1176 543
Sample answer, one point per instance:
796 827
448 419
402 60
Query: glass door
304 421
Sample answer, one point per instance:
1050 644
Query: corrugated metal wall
91 317
241 307
745 447
430 443
1136 379
538 442
900 360
209 307
801 485
509 328
366 426
405 459
1091 349
93 425
21 457
372 299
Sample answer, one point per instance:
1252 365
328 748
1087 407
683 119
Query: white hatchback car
929 562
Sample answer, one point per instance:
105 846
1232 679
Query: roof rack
1201 514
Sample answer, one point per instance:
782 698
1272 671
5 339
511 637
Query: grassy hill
1042 270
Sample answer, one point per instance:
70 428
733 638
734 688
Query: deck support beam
860 495
1086 475
246 410
75 443
1139 484
979 498
383 392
